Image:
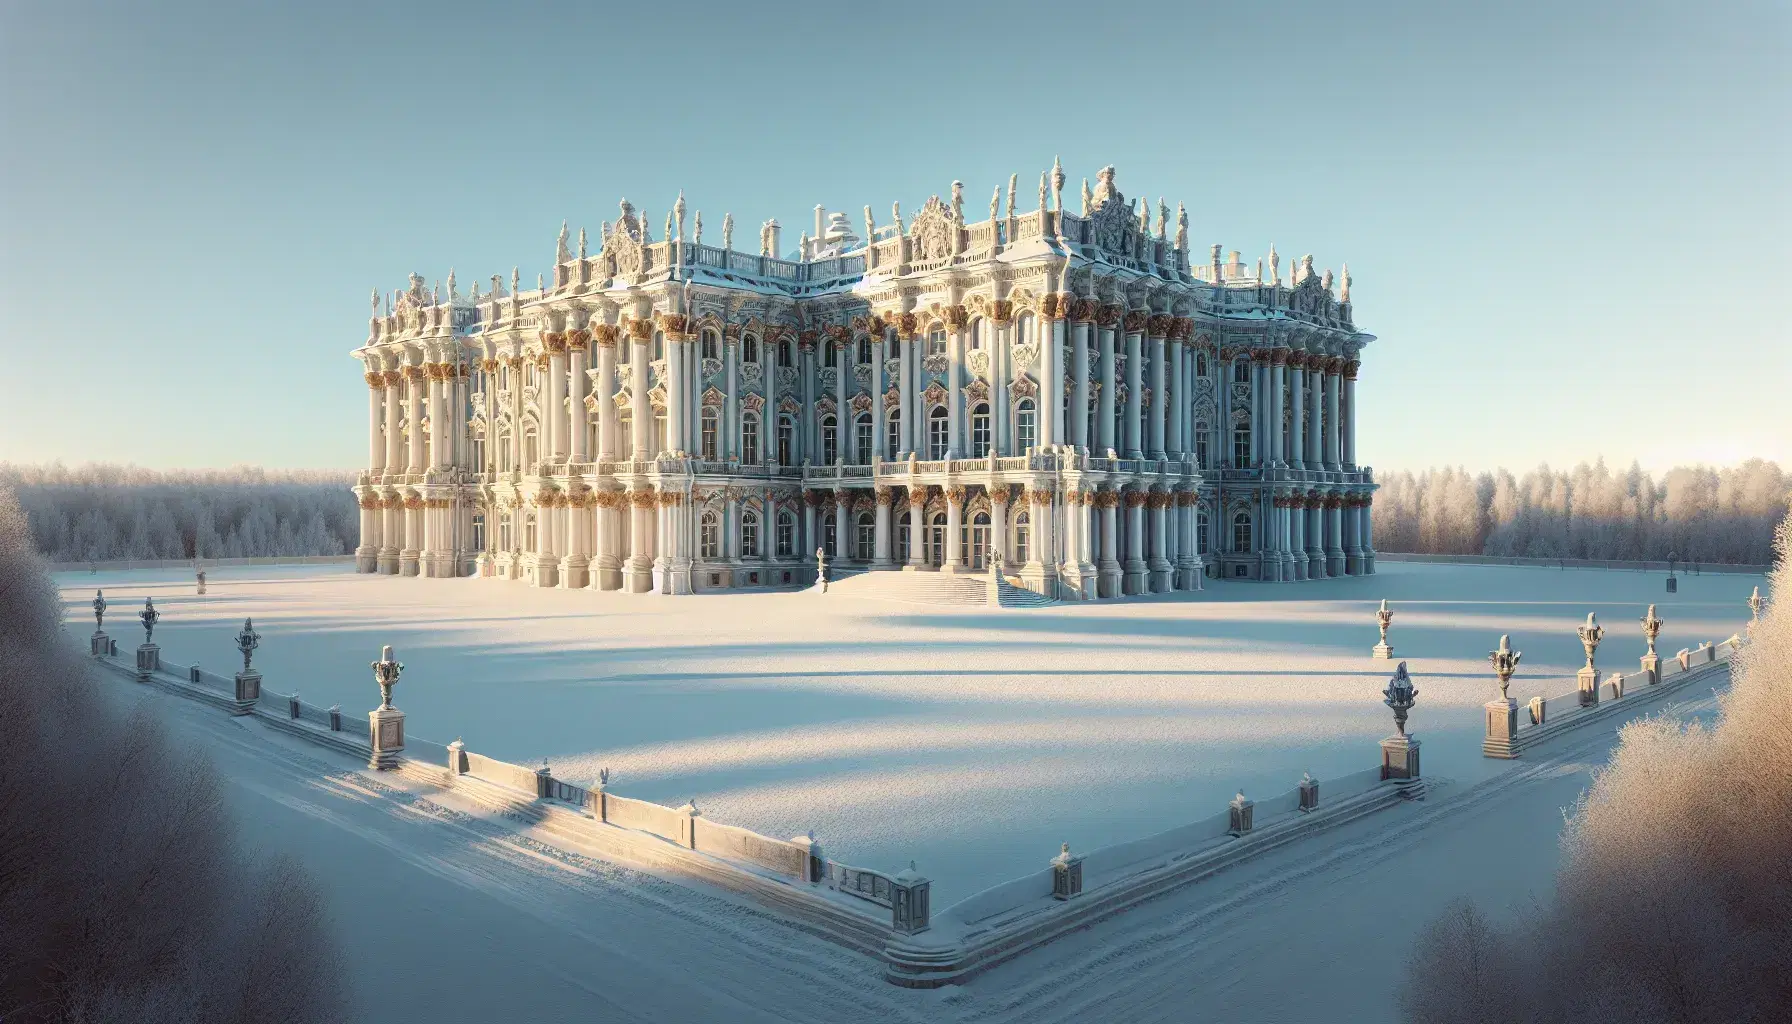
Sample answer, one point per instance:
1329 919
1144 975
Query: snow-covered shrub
1698 513
1674 902
101 512
123 895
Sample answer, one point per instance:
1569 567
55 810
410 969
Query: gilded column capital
917 498
640 330
376 380
1158 326
576 341
957 317
1350 369
1109 315
1001 311
884 497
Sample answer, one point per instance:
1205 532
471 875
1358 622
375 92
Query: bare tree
122 891
1674 901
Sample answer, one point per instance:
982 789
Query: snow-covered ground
971 741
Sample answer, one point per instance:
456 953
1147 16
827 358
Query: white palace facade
1063 398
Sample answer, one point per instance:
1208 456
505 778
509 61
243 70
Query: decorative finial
1505 662
149 617
728 230
1057 185
451 289
1275 265
561 255
1755 602
1163 219
697 228
583 251
516 278
1344 284
870 226
896 215
541 285
958 201
1088 198
1325 280
376 303
669 228
1144 206
678 213
1400 695
1590 635
1181 227
1043 176
1013 188
99 610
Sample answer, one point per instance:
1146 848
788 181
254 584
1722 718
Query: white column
605 389
376 412
577 416
910 400
1104 403
998 528
880 549
1134 385
954 555
1297 439
845 437
677 404
1315 395
842 534
1331 422
808 425
640 409
395 457
1278 367
917 510
1159 400
1349 425
955 447
728 444
1177 409
1079 375
1051 386
553 418
415 379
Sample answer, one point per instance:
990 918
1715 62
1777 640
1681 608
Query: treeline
104 512
1695 513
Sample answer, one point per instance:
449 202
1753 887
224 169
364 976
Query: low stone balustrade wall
1613 564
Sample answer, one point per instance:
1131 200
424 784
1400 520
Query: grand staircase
934 588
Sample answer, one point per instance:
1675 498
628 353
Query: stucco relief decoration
656 371
753 403
936 363
978 363
752 374
1025 355
861 374
789 404
977 391
657 396
825 404
621 253
712 368
892 368
931 232
861 402
934 395
1001 311
829 378
590 403
907 324
624 398
1023 387
893 398
713 397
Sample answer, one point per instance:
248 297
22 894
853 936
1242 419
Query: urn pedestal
100 644
385 733
1400 758
1652 668
248 691
1588 681
1383 651
149 659
1502 726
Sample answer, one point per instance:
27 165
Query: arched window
659 344
1201 364
936 539
506 534
936 343
786 534
712 422
529 531
504 452
976 541
711 536
1025 434
1241 445
830 440
749 348
1201 444
939 432
1241 371
902 531
625 434
1024 331
749 439
863 438
892 434
864 350
978 330
864 537
1201 539
1023 530
528 374
503 376
712 345
829 532
478 532
479 454
1241 532
979 430
530 450
830 354
786 439
749 534
786 353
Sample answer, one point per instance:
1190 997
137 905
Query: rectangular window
893 436
749 442
710 422
864 440
786 537
749 537
980 433
478 532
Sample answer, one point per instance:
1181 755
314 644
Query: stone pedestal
1067 875
1400 758
149 659
248 691
101 644
1383 651
1238 815
457 762
1588 680
385 733
1616 681
1652 668
1309 794
910 901
1502 726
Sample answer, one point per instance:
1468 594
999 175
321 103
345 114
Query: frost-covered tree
123 895
1674 901
1697 513
99 512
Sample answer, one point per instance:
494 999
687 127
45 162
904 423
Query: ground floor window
711 533
749 534
478 532
1022 537
786 535
865 537
1241 532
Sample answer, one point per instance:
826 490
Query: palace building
1063 399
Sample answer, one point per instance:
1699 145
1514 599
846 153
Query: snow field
970 741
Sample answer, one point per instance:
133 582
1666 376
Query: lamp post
1400 752
248 681
1383 617
386 723
99 645
149 656
1651 663
1588 677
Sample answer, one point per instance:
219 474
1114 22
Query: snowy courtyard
971 741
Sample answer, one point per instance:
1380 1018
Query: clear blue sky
1566 222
